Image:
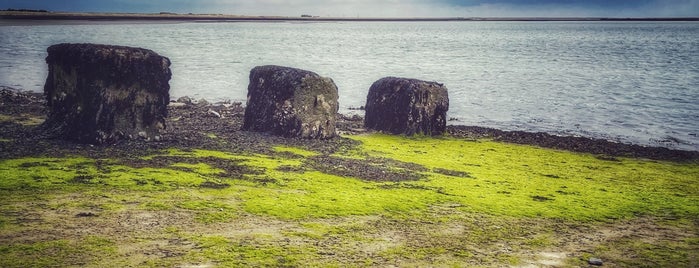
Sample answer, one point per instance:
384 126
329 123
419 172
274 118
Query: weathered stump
291 102
100 94
407 106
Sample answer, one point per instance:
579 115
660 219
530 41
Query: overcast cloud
382 8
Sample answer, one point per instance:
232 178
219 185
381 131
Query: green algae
528 181
23 119
295 151
61 252
255 251
483 193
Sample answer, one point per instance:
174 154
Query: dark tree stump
100 94
407 106
291 102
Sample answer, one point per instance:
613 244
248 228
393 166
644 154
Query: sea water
635 82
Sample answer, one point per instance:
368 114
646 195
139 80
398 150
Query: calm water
628 81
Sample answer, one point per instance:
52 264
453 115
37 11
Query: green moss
295 151
157 205
251 252
482 176
630 252
528 181
466 200
201 168
56 252
315 194
210 211
23 119
540 241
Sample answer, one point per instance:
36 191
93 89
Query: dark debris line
193 126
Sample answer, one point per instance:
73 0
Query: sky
379 8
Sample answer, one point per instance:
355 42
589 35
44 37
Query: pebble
202 103
177 104
595 261
185 100
214 113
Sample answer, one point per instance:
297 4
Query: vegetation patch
387 200
23 119
529 175
209 166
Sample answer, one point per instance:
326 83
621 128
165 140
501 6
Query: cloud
346 8
383 8
460 8
673 8
557 8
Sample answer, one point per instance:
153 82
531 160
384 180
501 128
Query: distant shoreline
167 16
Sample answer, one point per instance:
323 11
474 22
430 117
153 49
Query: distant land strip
165 16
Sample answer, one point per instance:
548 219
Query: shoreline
190 17
208 194
189 125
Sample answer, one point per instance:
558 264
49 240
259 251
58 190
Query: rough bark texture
291 102
407 106
99 94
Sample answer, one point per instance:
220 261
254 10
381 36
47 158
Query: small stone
177 104
202 103
595 261
185 100
143 134
214 113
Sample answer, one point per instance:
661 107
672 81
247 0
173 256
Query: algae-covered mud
209 195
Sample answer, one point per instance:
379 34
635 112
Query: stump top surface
294 72
407 83
99 51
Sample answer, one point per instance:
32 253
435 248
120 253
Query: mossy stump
291 102
100 94
407 106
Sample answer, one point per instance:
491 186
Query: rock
16 96
214 113
291 102
185 100
85 214
100 94
595 261
174 104
407 106
202 103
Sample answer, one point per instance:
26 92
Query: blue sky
385 8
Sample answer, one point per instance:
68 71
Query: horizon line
68 15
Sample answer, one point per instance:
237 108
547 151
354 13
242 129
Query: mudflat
208 194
